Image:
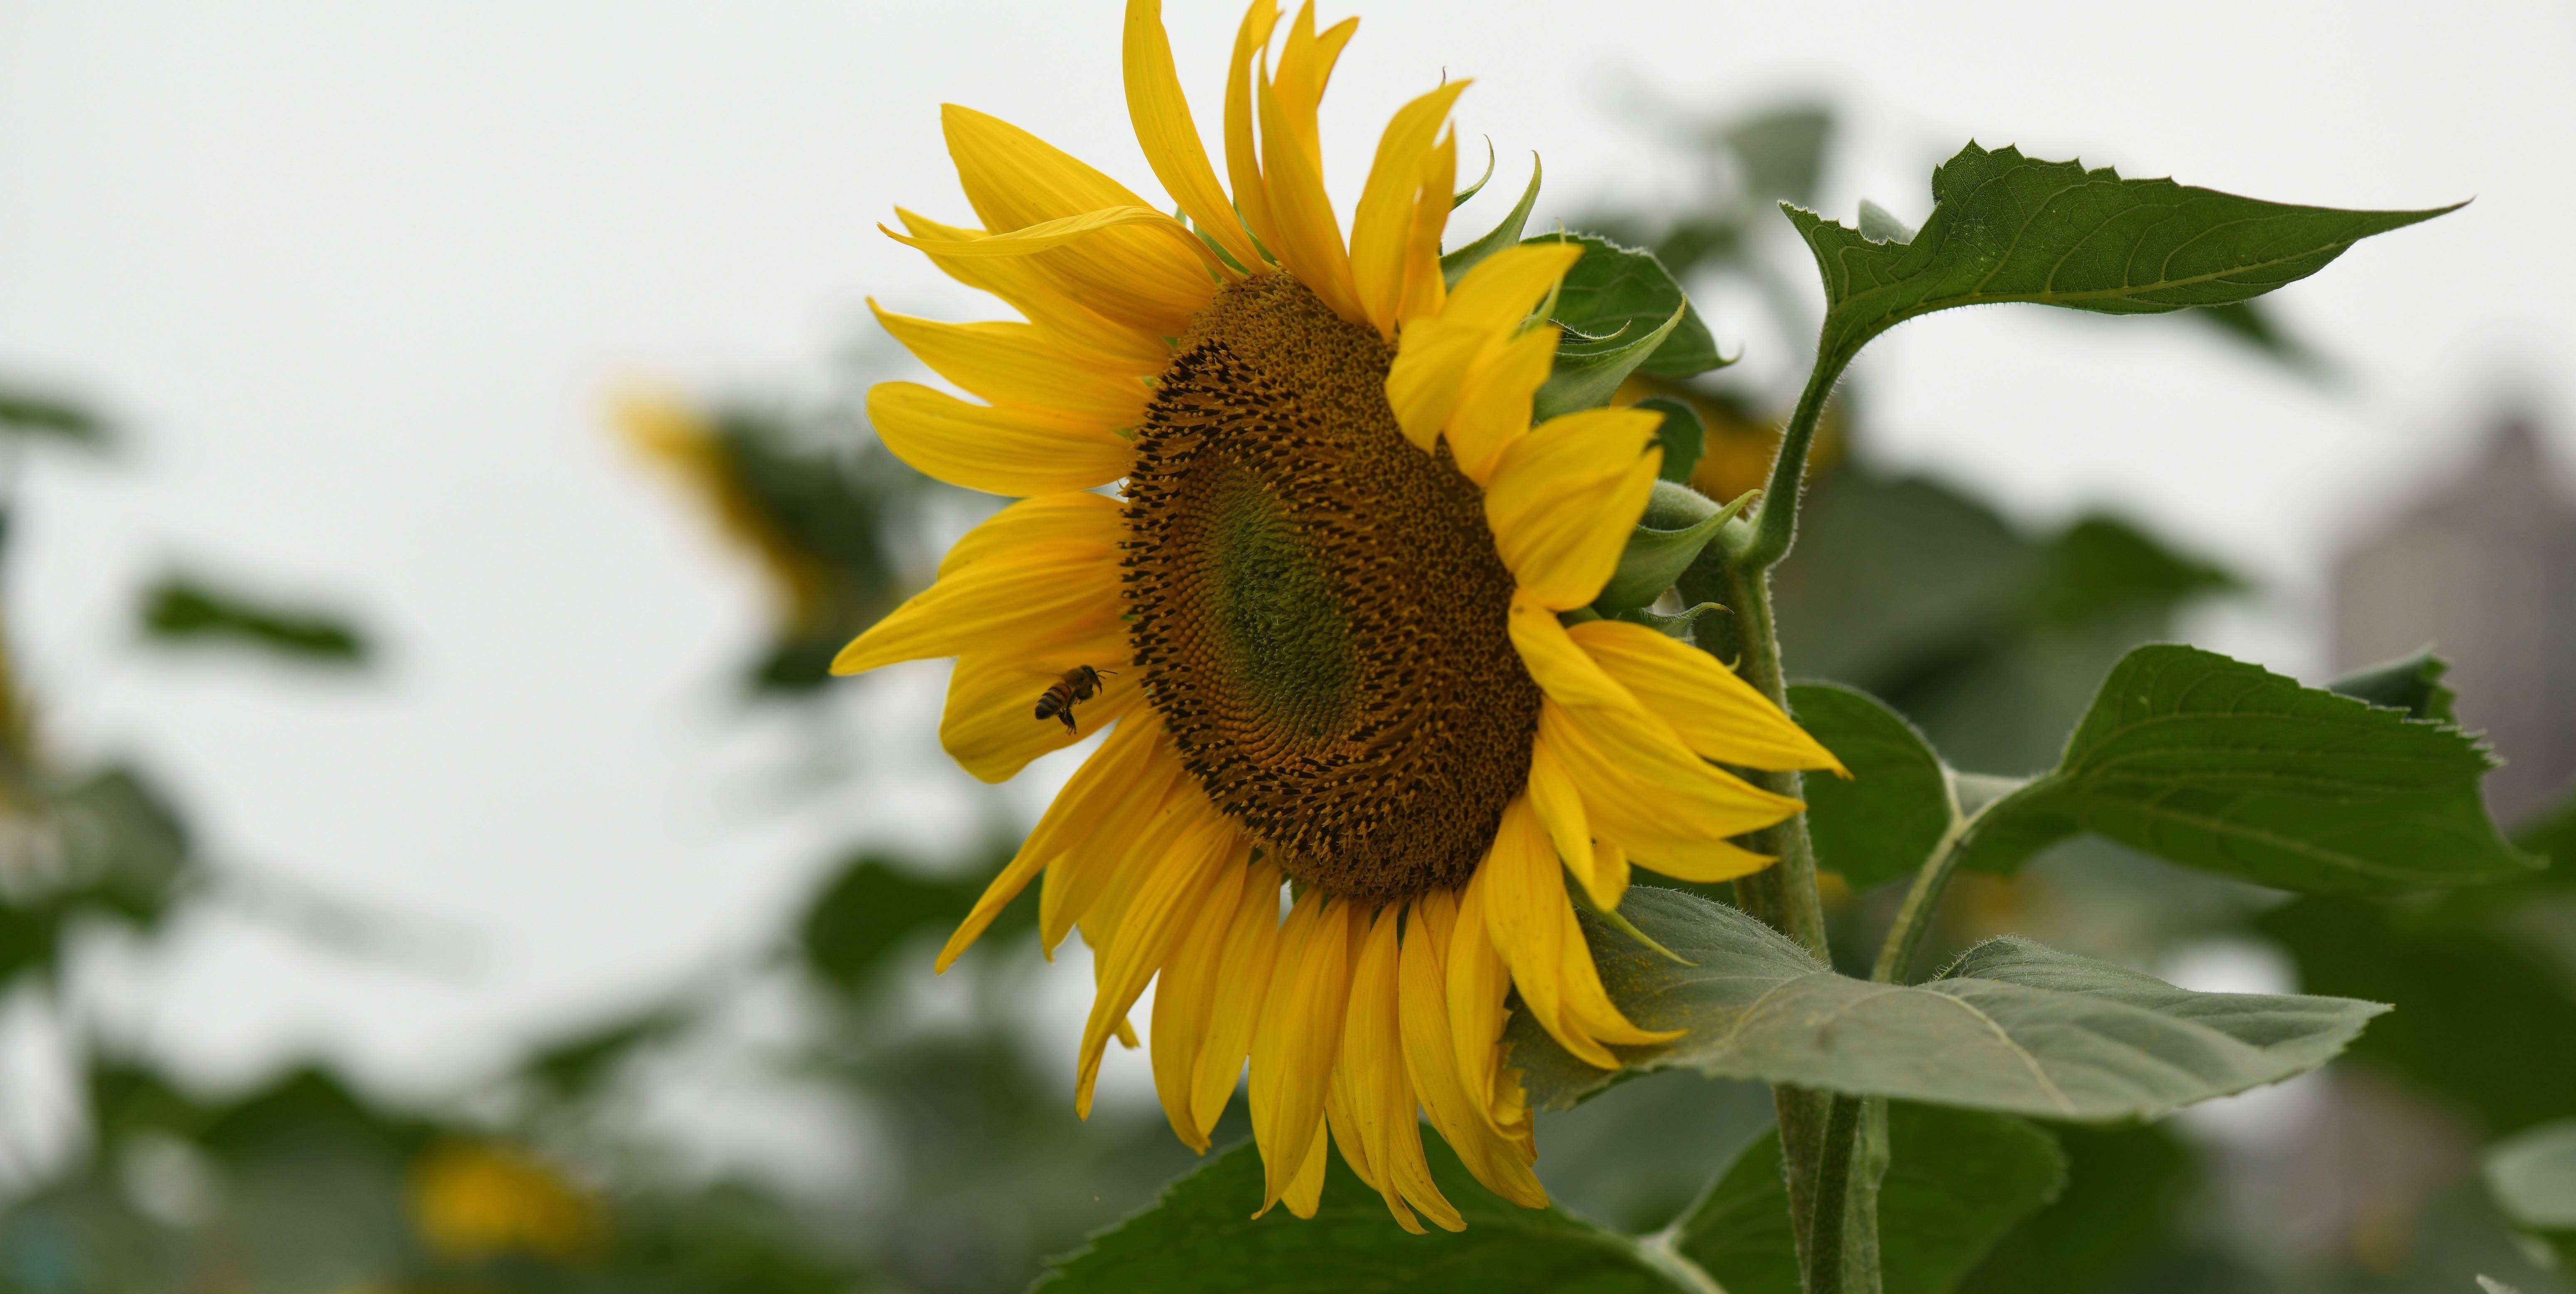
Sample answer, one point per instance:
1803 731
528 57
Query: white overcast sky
356 278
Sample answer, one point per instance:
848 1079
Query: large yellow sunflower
1326 604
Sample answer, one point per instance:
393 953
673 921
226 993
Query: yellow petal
1305 1192
1185 994
1166 903
1423 288
1432 359
1161 115
1382 1097
1075 518
1103 788
1310 237
1016 364
1431 1061
1243 980
1015 180
990 724
1242 154
1498 294
1662 805
999 451
1494 402
1478 981
1565 498
1345 1127
1717 713
1300 1036
988 601
1069 324
1090 882
1559 807
1534 927
1382 226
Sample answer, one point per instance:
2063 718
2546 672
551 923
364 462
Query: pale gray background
358 278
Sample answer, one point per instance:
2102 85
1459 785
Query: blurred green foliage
185 609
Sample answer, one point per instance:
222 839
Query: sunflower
1324 613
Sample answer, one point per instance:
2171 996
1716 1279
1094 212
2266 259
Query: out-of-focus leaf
183 609
877 904
33 413
1957 1182
114 851
2533 1179
2100 567
2222 766
2125 1191
1782 151
1615 295
2005 227
1883 823
1201 1236
1681 434
2011 1027
2253 325
2553 836
2413 684
1454 266
2479 1018
574 1067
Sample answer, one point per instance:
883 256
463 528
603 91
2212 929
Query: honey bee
1077 685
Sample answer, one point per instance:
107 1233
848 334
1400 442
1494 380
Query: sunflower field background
661 1141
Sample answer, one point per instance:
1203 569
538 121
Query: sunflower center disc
1319 611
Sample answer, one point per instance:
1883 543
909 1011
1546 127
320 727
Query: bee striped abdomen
1078 684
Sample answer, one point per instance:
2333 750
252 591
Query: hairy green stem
1914 918
1777 525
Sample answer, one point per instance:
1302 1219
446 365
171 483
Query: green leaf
1615 295
1586 378
1678 522
1681 434
2482 1022
1883 823
1958 1182
1459 199
2533 1176
1454 265
1200 1235
2126 1189
30 413
181 609
2553 836
1781 152
2005 227
2011 1027
877 904
2100 568
2226 767
2412 684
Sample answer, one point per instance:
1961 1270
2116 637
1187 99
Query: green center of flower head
1318 608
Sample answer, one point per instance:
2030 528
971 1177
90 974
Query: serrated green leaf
2012 1027
1454 265
1958 1181
1614 295
2005 227
1678 522
1200 1235
2226 767
1883 823
182 609
1682 435
2412 684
